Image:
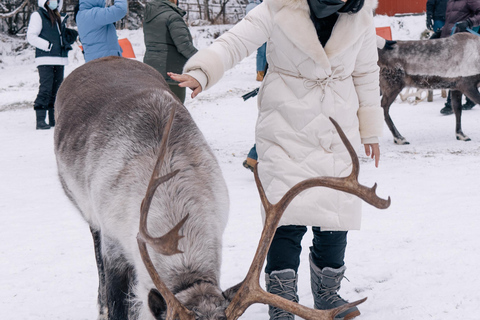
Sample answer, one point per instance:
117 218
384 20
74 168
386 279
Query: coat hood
88 4
302 4
347 30
41 4
157 7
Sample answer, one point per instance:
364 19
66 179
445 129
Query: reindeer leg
102 295
118 278
388 97
457 109
472 93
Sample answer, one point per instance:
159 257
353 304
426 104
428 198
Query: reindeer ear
230 292
156 303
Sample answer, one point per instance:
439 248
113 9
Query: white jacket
34 29
304 86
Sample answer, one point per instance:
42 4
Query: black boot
448 106
469 104
41 124
51 117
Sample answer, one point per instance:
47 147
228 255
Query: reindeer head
205 301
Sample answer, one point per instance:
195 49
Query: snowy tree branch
14 12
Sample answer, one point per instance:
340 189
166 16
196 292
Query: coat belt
323 83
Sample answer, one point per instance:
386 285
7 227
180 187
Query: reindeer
449 63
116 123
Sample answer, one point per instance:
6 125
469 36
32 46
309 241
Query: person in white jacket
322 58
51 55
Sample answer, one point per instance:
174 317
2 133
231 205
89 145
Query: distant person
45 31
261 67
96 27
436 14
461 14
168 41
262 51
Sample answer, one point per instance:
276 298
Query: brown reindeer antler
250 291
168 243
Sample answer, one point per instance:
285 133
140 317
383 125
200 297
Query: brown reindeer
116 122
449 63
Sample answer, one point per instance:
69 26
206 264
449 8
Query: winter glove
462 26
429 23
389 44
69 36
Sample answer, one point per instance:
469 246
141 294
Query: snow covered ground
416 260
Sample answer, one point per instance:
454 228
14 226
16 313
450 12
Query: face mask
324 8
53 4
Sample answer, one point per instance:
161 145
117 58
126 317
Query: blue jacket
96 28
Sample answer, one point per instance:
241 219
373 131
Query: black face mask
325 8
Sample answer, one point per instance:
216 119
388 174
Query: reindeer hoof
462 137
401 141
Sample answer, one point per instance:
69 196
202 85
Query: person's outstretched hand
373 150
187 81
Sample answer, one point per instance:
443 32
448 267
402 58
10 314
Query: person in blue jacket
96 28
262 51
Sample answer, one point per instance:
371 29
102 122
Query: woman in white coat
322 58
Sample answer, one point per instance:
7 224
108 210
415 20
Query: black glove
462 26
251 94
429 23
389 44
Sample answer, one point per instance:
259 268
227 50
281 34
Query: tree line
15 14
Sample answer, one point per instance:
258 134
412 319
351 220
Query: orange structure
127 49
384 32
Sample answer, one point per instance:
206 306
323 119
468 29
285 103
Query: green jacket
168 41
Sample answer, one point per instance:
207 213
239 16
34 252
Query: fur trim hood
41 4
303 5
294 15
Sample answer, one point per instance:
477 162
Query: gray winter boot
325 285
284 284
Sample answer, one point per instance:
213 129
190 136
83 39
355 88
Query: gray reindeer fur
449 63
110 117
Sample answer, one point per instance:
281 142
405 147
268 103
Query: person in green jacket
168 41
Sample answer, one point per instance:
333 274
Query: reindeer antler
167 244
250 291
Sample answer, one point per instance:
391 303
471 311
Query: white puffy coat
304 86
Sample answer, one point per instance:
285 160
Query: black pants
178 91
328 248
51 78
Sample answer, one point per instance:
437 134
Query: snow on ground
416 260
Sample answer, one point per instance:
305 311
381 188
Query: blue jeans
437 25
328 248
253 153
262 57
